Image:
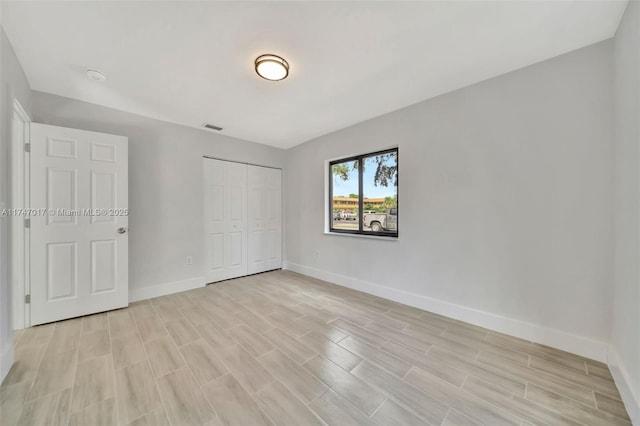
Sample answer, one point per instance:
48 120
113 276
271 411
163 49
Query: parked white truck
381 222
345 215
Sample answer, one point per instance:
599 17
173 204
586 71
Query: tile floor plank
291 347
318 326
253 321
100 414
294 377
331 351
235 407
392 414
94 322
456 418
468 404
246 369
335 410
358 392
35 336
571 408
280 404
424 406
155 417
430 365
56 373
360 333
512 384
254 343
50 410
398 336
377 356
581 378
150 328
183 399
136 391
611 405
65 337
163 355
12 398
93 383
93 344
127 350
203 362
517 405
539 377
25 366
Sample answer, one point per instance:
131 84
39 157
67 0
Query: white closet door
79 248
225 212
265 219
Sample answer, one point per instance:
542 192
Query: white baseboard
630 397
143 293
6 359
579 345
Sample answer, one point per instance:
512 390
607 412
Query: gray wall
625 335
504 197
13 85
165 183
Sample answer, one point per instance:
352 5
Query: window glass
380 193
363 193
346 196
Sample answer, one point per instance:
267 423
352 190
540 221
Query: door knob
122 230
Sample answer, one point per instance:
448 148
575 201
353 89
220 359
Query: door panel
62 266
103 266
225 219
256 219
265 221
214 221
78 260
61 194
103 194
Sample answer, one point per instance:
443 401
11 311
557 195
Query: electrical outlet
189 260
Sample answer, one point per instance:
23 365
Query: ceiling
192 62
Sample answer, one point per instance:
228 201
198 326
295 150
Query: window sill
368 237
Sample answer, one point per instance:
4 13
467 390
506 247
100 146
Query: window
363 194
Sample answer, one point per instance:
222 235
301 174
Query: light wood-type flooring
282 348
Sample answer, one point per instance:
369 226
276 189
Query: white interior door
265 219
78 233
225 212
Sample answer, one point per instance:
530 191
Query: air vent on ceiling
211 127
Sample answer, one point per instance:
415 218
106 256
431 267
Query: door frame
19 256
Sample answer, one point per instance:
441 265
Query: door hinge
27 298
27 147
27 223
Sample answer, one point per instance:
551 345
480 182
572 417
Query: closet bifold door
225 216
265 219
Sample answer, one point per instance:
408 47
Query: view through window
364 194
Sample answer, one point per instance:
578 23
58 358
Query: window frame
360 231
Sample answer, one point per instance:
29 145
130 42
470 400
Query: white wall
13 85
165 187
505 204
625 335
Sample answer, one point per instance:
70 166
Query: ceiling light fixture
272 67
95 75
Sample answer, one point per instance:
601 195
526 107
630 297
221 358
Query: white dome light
272 67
